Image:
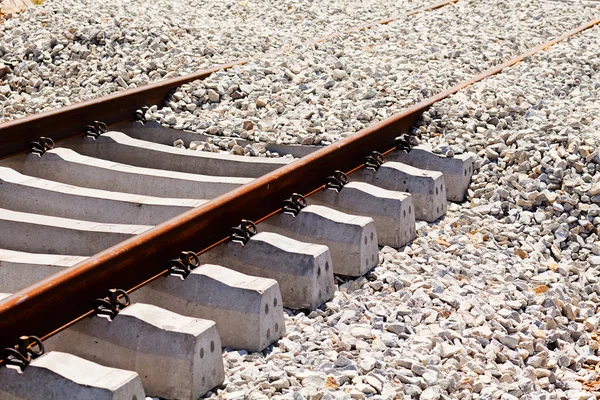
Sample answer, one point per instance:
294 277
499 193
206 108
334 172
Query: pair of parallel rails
55 303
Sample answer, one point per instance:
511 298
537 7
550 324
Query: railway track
189 251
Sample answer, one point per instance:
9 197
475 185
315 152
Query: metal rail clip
402 142
41 146
110 306
140 114
184 265
337 181
95 130
23 353
374 160
294 204
243 232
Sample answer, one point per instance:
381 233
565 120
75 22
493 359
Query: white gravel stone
499 304
318 94
498 300
11 7
63 52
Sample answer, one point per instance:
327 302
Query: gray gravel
66 51
535 129
321 93
500 299
10 7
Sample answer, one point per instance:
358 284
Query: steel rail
65 296
65 122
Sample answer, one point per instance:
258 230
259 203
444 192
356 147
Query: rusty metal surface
53 302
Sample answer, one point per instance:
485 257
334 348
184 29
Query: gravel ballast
63 52
498 300
322 93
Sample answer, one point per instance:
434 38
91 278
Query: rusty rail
64 297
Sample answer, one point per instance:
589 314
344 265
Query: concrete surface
248 310
177 357
303 271
62 376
